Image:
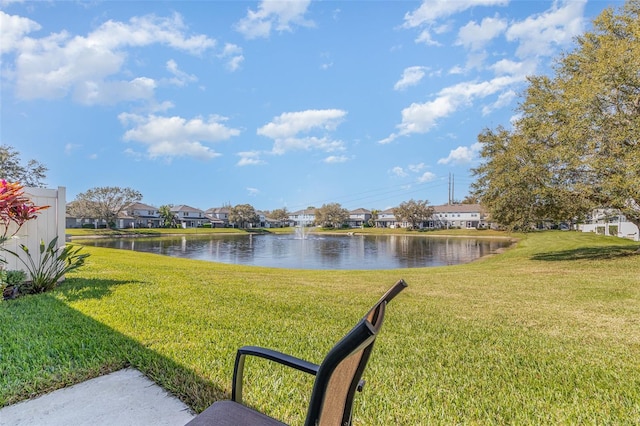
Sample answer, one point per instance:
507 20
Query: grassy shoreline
545 333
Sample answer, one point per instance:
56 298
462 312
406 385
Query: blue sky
272 103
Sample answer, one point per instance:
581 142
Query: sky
272 103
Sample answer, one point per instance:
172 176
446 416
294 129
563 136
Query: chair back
339 375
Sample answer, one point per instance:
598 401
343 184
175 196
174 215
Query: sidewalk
123 398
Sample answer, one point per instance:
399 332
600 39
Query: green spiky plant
54 263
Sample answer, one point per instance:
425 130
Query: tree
12 170
469 199
169 219
374 217
576 144
281 215
104 203
413 212
331 215
243 215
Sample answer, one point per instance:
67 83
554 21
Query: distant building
218 216
444 217
189 217
139 215
465 216
610 222
303 217
359 218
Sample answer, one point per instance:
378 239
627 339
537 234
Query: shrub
10 283
54 263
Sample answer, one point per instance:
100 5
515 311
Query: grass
545 333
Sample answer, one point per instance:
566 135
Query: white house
444 216
303 217
387 219
610 222
465 216
189 217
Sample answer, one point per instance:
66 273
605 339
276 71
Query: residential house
444 217
218 216
387 219
189 217
458 216
303 217
358 218
266 221
139 215
610 222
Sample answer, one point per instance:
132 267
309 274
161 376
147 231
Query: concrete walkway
123 398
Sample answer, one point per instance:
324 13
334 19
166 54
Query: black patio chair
337 377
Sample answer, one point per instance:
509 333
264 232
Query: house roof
360 211
459 208
140 206
185 208
218 210
306 212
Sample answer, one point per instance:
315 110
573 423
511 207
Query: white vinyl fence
49 224
616 229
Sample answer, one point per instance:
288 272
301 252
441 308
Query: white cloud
475 37
175 136
272 15
180 78
462 154
290 128
250 158
425 37
410 77
540 33
398 171
232 53
89 66
69 148
112 92
13 30
252 192
503 100
509 67
334 159
422 117
432 10
416 168
426 177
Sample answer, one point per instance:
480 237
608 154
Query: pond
315 251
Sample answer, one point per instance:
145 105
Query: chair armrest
271 355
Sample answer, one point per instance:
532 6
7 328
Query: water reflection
316 251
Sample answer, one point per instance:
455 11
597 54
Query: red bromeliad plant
15 207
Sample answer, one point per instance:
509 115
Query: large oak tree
413 212
576 145
105 203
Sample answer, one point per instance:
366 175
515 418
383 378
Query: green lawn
545 333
